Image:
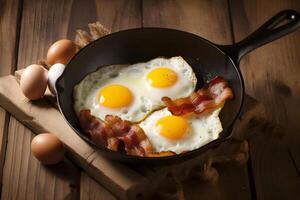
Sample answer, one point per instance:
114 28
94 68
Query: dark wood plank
49 20
4 120
272 76
9 17
271 72
43 22
91 190
209 19
25 178
10 11
114 15
232 184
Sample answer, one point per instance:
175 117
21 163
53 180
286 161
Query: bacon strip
114 131
211 96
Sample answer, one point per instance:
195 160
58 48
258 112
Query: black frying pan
206 58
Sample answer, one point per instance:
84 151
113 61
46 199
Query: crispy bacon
211 96
114 131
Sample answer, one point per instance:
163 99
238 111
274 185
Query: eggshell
61 52
47 148
33 81
53 74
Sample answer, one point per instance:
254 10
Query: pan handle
279 25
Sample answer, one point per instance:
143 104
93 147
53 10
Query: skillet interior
140 45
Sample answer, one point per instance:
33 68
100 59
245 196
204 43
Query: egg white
203 129
184 86
134 77
86 93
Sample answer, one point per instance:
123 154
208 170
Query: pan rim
164 158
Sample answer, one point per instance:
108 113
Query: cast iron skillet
206 58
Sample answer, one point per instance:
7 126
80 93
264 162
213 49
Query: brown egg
47 148
33 81
61 52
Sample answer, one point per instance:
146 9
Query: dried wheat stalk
83 38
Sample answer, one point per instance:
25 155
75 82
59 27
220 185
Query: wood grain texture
272 76
10 11
91 190
209 19
114 15
43 22
25 178
46 21
4 120
227 187
271 72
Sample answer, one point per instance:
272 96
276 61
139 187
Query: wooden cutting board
126 182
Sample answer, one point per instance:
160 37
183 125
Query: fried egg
133 91
179 134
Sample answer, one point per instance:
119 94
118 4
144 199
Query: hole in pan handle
279 25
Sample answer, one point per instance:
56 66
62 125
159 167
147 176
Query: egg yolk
173 127
162 77
115 96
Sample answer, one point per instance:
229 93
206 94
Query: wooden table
272 73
